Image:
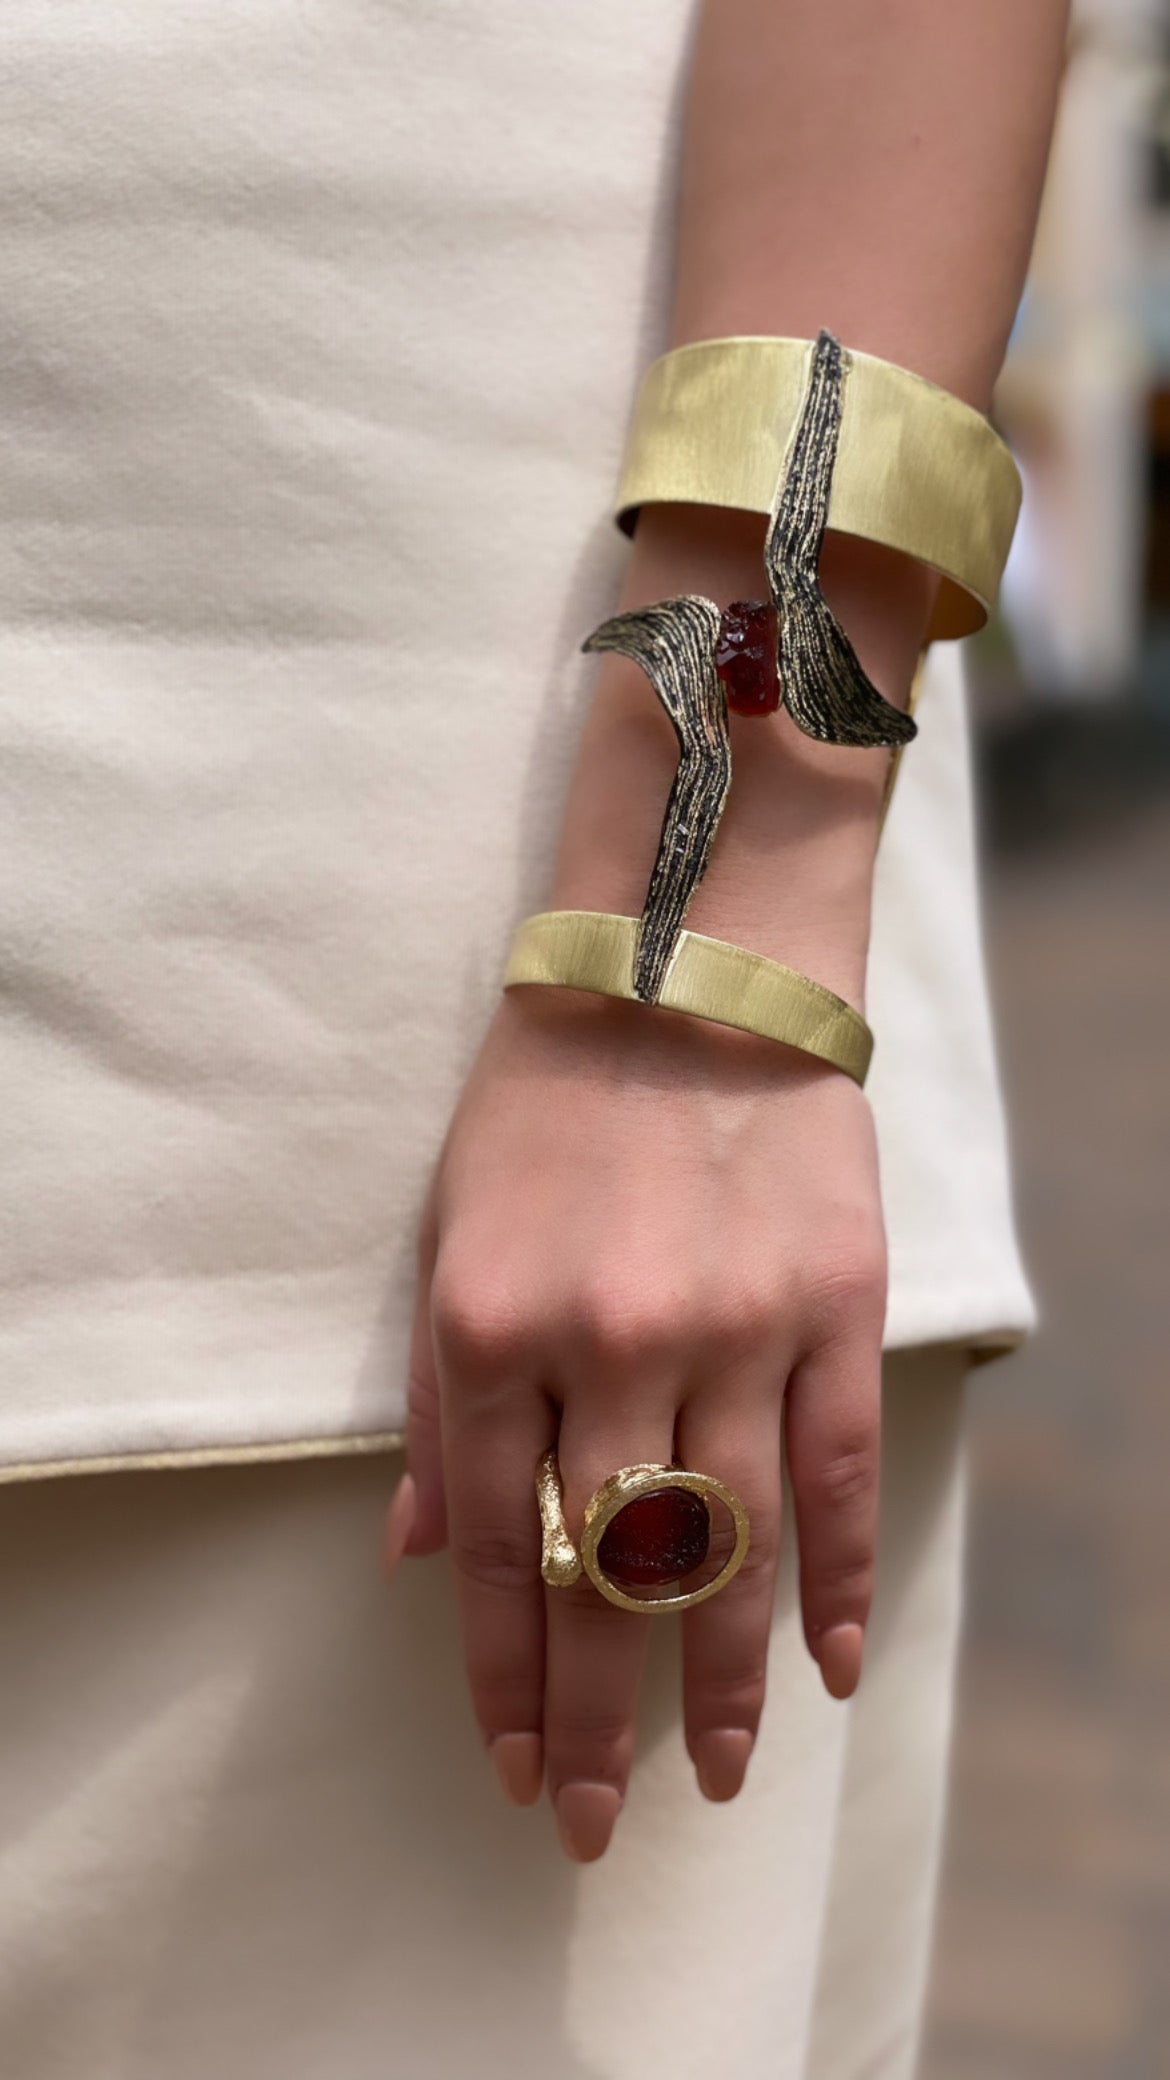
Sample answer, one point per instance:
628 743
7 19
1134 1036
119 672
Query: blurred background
1053 1948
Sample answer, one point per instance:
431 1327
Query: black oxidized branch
753 659
823 685
674 642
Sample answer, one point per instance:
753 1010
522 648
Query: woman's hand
653 1238
648 1238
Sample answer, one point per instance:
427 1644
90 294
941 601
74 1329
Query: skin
647 1236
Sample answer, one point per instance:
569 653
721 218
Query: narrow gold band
594 949
916 468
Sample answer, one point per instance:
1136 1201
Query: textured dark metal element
821 679
674 643
822 683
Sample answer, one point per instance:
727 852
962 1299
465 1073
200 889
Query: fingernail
519 1761
585 1815
399 1519
721 1761
839 1653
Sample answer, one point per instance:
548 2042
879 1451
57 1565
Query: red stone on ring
745 657
656 1538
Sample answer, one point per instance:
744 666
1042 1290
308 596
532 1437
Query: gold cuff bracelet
595 949
815 435
916 468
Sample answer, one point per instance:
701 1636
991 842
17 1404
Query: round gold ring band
562 1564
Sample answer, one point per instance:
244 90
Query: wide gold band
594 949
916 468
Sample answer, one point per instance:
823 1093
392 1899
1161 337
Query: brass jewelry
916 468
699 658
712 978
818 675
561 1563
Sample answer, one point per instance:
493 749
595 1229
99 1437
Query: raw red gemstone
745 657
657 1538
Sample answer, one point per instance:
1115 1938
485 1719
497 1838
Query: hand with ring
653 1248
637 1252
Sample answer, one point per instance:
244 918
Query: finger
726 1640
495 1546
399 1520
832 1433
496 1425
426 1530
595 1650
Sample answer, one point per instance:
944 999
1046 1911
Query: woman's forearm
870 165
875 168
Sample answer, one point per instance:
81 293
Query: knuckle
505 1698
744 1319
477 1324
588 1610
595 1745
494 1559
846 1578
734 1696
760 1562
848 1477
841 1589
757 1570
627 1327
599 1728
852 1285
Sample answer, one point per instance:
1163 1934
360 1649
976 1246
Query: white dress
294 297
294 294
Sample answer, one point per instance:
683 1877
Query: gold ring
561 1564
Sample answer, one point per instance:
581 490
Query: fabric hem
361 1443
982 1348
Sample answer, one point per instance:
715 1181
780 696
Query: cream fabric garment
248 1831
321 324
